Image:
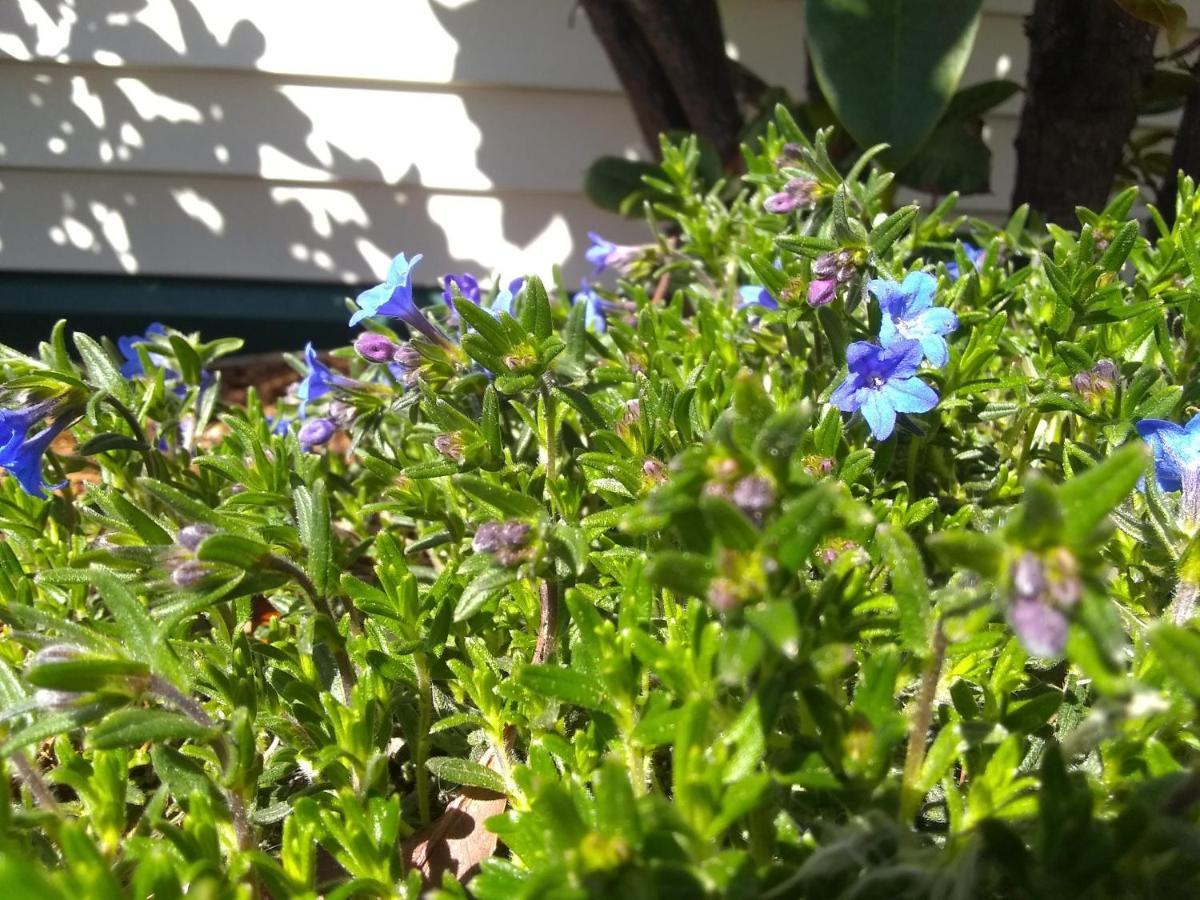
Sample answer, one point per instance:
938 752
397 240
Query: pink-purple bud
374 347
190 537
796 193
825 265
189 574
315 432
450 445
408 356
822 292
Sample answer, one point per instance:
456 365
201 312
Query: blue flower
1176 451
279 426
132 365
319 380
394 298
505 299
15 423
756 295
975 254
604 254
909 315
315 432
466 284
882 382
22 455
593 315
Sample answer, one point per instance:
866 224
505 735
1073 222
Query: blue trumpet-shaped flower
22 455
319 380
507 297
1176 450
976 256
132 365
593 315
756 295
604 254
15 423
394 298
466 284
909 315
882 382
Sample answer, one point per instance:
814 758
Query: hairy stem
31 776
914 758
421 739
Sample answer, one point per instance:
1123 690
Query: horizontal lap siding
218 138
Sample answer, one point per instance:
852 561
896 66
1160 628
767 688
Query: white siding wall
312 139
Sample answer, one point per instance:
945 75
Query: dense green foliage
726 644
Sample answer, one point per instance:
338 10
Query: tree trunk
1087 59
670 58
1186 154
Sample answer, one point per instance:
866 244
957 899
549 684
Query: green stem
910 792
421 739
551 438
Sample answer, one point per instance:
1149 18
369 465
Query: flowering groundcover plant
812 549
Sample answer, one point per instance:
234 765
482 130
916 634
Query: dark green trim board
268 315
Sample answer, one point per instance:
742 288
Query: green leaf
611 181
100 369
84 673
189 362
485 585
134 727
108 441
1178 650
890 67
233 549
890 229
463 771
1088 498
316 533
506 502
568 685
909 586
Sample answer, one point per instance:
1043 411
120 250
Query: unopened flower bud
825 265
55 653
654 470
190 537
846 274
514 535
374 347
796 193
189 574
845 257
790 153
633 412
1082 382
822 292
449 445
342 413
408 356
754 495
722 595
315 432
487 538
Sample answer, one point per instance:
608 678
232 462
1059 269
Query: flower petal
845 395
937 320
879 413
910 395
935 350
918 288
1041 628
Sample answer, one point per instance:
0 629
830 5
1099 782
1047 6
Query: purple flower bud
408 356
514 535
50 700
825 265
754 495
846 274
633 411
654 470
722 595
191 537
790 153
822 292
189 574
374 347
1105 374
845 257
488 537
1082 382
796 193
342 413
1042 629
1028 576
450 445
315 432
